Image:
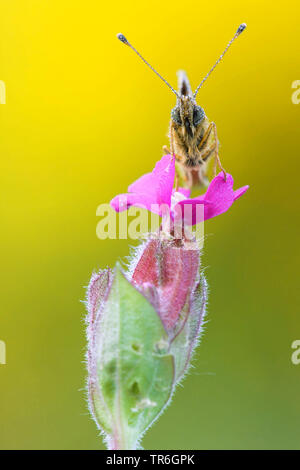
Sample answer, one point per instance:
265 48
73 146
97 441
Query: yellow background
83 118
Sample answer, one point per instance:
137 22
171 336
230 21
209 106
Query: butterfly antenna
124 40
240 29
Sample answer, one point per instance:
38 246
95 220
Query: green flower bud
131 376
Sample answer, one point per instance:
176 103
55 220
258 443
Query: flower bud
172 268
141 330
131 372
168 274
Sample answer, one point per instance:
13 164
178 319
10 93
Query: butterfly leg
171 137
167 152
209 144
204 138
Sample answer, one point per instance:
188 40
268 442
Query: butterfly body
193 138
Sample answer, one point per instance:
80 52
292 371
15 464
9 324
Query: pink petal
165 171
158 184
163 164
239 192
191 211
122 202
220 194
150 190
186 192
218 198
146 184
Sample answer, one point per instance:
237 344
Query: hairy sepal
131 374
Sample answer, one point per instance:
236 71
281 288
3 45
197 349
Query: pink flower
154 191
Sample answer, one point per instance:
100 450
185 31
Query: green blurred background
83 118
